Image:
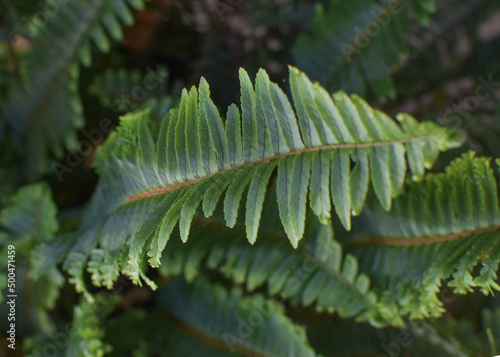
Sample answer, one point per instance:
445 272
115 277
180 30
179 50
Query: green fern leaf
416 338
227 323
47 255
29 217
87 329
314 273
441 227
354 44
26 221
153 177
129 91
206 319
44 108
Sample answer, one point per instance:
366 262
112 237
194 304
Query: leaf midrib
409 242
174 186
211 340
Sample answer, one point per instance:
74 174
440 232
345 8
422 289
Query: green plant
294 223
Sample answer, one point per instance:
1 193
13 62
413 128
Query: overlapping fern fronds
316 273
127 91
27 220
223 324
44 108
443 227
417 338
153 177
355 44
328 150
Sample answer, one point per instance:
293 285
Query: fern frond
47 255
354 44
128 91
226 323
153 177
441 227
27 220
416 338
87 330
44 109
29 217
316 273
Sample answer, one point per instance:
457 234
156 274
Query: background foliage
402 261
